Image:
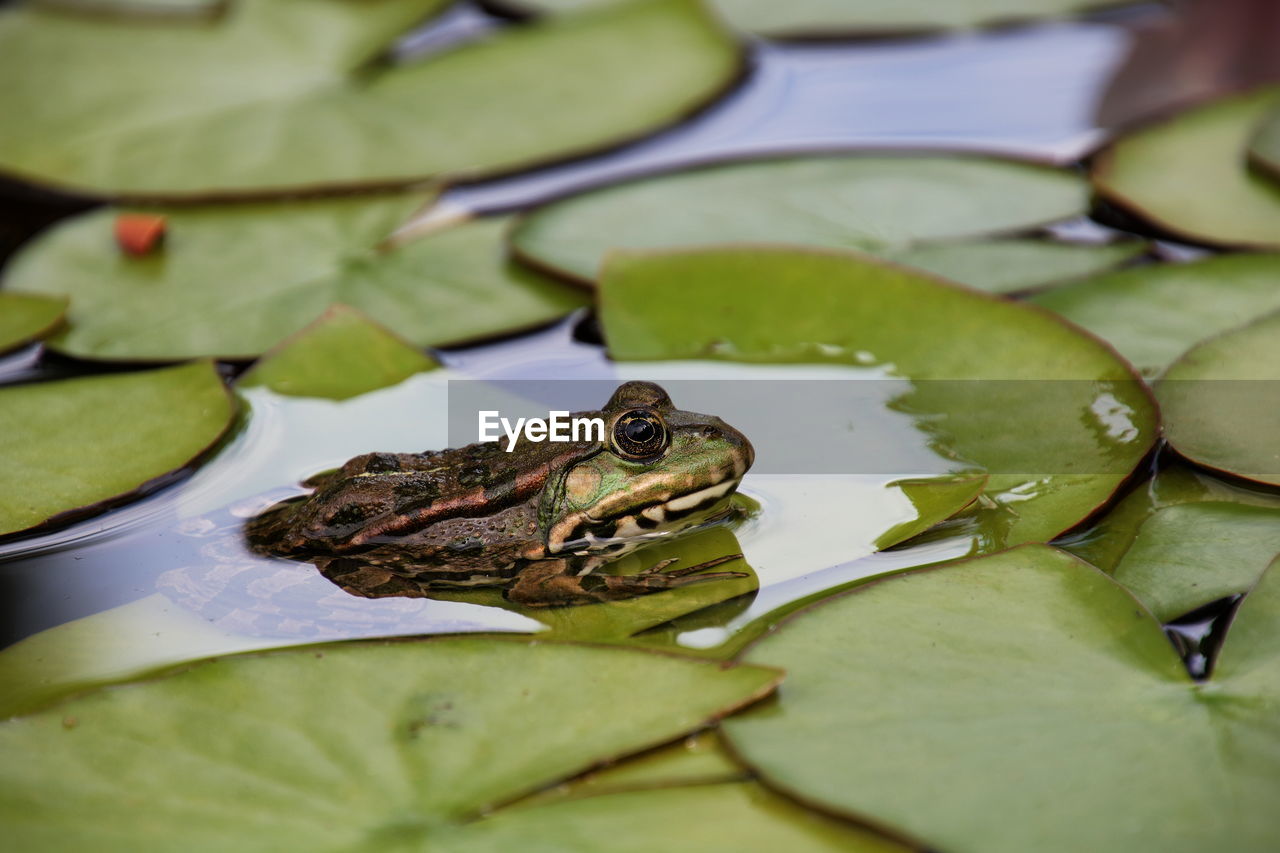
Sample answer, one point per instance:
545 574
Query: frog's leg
557 583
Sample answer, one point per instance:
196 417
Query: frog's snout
739 446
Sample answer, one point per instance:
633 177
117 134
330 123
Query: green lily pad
179 10
355 745
717 818
699 759
25 318
857 17
74 446
1220 402
232 281
1175 484
1059 421
1043 686
284 96
341 355
880 204
1189 175
935 500
1265 150
1187 556
1011 266
1153 314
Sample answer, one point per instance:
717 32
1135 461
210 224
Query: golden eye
639 434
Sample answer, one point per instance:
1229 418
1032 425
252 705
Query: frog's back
382 498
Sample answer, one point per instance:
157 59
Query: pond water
171 567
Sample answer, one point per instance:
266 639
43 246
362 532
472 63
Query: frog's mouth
677 514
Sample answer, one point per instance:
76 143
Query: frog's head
658 471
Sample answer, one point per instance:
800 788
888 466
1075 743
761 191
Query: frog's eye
639 434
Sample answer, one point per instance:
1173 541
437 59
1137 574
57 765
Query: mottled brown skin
529 521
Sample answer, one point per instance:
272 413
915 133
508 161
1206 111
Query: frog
535 520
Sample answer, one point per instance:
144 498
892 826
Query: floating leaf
1059 421
698 759
282 95
879 204
935 500
180 10
1009 266
719 818
71 446
1175 484
1189 175
232 281
857 17
128 641
25 318
343 746
1041 684
1265 150
341 355
1221 402
1152 314
1187 556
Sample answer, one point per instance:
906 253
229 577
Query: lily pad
438 740
179 10
1011 266
719 818
1187 556
1047 689
882 204
1221 402
341 355
284 95
1058 420
75 446
935 500
1153 314
1189 175
1175 484
1265 150
857 17
698 759
232 281
25 318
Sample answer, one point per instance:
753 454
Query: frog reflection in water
535 522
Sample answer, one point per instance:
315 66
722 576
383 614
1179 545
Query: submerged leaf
25 318
1153 314
1189 175
284 96
1036 680
618 621
1053 415
344 746
880 204
341 355
233 280
1221 402
73 445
